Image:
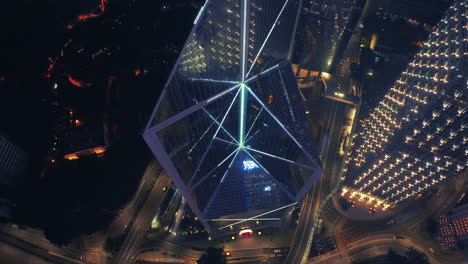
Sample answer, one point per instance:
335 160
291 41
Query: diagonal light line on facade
243 110
223 93
200 13
201 137
240 219
192 34
219 185
216 121
225 141
262 73
171 120
273 178
253 124
267 37
286 94
210 172
244 14
257 216
252 136
280 158
212 80
232 161
215 134
274 117
284 128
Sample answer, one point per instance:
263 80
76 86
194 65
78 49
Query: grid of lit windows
416 137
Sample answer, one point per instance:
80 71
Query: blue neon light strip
200 13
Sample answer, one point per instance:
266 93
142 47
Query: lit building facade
416 137
230 127
13 164
454 227
322 28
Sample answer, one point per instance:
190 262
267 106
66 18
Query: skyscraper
230 128
416 137
13 165
322 29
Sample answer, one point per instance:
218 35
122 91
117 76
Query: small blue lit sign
249 165
267 189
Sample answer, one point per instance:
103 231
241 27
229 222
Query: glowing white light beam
211 171
215 134
280 158
230 165
257 216
240 219
212 80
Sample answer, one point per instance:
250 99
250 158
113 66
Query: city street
137 231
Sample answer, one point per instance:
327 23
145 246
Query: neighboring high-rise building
321 30
416 137
454 227
13 165
230 128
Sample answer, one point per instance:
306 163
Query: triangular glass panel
278 92
245 187
273 34
210 60
186 140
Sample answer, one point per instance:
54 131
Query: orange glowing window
99 150
71 157
270 99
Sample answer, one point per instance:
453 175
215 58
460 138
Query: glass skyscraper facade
417 135
230 127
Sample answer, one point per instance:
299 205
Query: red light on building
78 123
246 233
